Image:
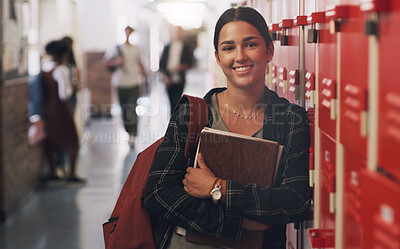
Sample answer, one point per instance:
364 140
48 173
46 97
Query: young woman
178 196
59 122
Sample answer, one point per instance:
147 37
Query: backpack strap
198 119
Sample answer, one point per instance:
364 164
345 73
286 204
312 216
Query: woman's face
242 54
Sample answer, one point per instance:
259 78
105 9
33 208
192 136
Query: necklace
237 113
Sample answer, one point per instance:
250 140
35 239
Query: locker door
327 181
286 56
327 69
389 92
324 235
309 55
381 211
354 82
314 19
279 76
352 225
292 50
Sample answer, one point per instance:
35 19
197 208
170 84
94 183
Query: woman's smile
243 69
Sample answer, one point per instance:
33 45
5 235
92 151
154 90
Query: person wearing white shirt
127 78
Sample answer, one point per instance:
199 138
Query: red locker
286 43
289 53
327 181
352 225
275 34
389 92
314 19
327 50
381 211
354 81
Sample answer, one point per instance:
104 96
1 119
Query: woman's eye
227 48
251 44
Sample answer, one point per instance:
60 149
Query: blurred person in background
59 122
175 60
128 72
74 72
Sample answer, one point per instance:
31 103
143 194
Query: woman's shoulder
281 104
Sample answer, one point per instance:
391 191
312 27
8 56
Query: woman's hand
198 181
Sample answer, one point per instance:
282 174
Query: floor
60 216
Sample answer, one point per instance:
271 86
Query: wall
20 165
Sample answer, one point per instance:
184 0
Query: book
242 159
239 157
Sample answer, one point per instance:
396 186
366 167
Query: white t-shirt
127 75
61 75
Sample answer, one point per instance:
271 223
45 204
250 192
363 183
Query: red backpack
129 226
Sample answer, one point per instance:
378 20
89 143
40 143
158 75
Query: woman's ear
217 57
270 51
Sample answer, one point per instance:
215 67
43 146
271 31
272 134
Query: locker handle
311 166
332 202
364 124
283 73
274 71
310 87
283 79
310 81
329 96
294 77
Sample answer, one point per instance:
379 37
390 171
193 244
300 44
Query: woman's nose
240 55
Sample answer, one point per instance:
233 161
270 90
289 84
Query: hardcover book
242 159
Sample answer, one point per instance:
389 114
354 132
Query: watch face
216 195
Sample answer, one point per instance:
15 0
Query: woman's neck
244 99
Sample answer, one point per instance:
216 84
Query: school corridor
66 216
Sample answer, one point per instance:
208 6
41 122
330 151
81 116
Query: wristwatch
216 192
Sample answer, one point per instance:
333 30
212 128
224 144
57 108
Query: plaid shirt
287 201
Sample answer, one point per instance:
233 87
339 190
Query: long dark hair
57 49
246 14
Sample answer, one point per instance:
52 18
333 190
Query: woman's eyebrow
250 38
244 39
226 42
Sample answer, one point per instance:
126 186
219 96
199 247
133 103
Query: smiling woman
180 197
243 56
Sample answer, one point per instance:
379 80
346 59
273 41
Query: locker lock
336 14
313 33
372 8
285 24
275 32
372 24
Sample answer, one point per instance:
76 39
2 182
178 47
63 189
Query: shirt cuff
234 194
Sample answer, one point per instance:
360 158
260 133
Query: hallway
61 216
